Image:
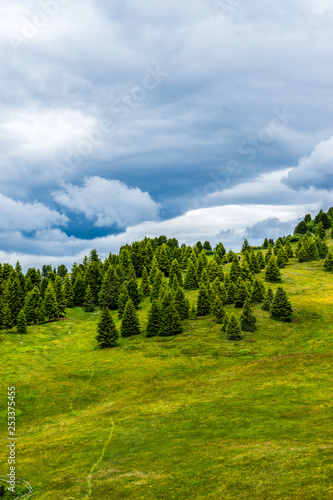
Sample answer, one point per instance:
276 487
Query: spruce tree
328 264
130 324
231 293
107 334
145 285
289 250
50 302
233 330
273 274
224 324
153 270
323 249
79 289
134 292
89 304
191 278
268 300
109 293
15 297
281 259
320 231
261 260
313 250
248 320
154 320
302 255
235 270
7 319
218 310
241 294
122 299
60 295
33 302
171 323
181 304
213 271
21 323
164 259
203 303
268 255
176 273
157 283
68 291
257 292
281 307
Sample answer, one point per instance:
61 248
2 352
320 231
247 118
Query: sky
200 120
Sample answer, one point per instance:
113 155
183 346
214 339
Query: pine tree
130 324
248 320
181 304
122 299
257 292
109 293
268 300
155 289
233 330
191 278
268 255
21 322
235 270
273 274
213 271
281 258
171 323
313 250
289 250
154 320
93 277
241 294
89 304
323 249
224 324
164 259
7 319
145 285
107 334
281 308
203 303
261 260
134 292
302 255
153 270
50 302
218 310
15 297
201 263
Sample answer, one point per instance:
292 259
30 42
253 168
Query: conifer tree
281 307
164 259
122 299
154 320
213 271
233 330
171 323
79 289
191 278
328 264
248 320
313 252
323 249
68 291
89 304
268 300
181 304
155 289
109 293
107 334
154 269
33 302
241 294
231 293
268 255
273 274
130 323
7 319
257 292
15 297
21 322
261 260
145 285
289 250
50 302
218 310
134 292
224 324
93 277
302 255
320 231
203 303
235 270
60 295
176 273
281 258
201 263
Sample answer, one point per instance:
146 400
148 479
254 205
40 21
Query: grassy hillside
186 417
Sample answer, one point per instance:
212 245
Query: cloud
19 216
108 202
315 170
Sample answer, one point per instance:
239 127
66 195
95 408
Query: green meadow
187 417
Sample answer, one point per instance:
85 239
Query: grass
186 417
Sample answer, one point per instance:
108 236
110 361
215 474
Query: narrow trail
97 463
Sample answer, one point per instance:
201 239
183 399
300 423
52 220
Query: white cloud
16 215
108 202
315 170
